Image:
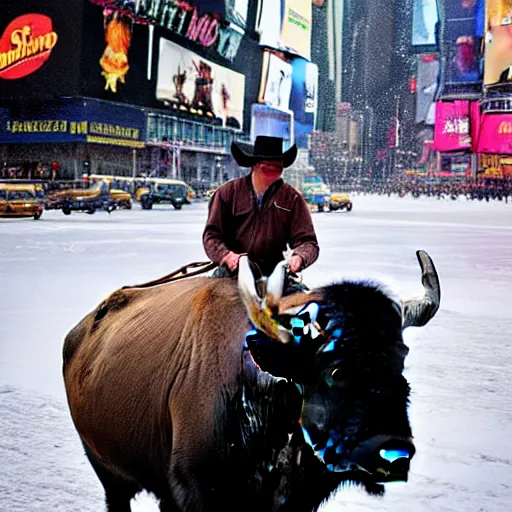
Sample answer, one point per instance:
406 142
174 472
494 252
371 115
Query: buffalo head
343 347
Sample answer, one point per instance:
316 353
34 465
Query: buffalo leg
118 491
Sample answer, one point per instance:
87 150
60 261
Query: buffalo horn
275 285
418 312
257 309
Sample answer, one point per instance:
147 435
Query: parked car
88 200
339 201
121 198
21 200
157 193
317 201
315 192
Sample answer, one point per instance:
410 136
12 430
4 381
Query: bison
214 396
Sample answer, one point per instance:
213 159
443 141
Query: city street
54 271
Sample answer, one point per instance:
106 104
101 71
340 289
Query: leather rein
190 270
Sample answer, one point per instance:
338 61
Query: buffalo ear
279 359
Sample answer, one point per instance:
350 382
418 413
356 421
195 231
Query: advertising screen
234 11
115 63
496 134
40 45
463 33
237 11
428 72
304 97
195 86
276 82
425 16
271 122
455 166
216 25
74 120
286 25
498 42
452 128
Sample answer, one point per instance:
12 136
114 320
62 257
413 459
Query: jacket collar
268 193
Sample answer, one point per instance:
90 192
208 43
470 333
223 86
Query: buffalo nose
387 457
393 460
393 455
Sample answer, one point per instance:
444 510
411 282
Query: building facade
118 87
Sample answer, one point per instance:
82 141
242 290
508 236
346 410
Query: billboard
425 17
74 120
452 128
195 86
428 74
286 25
455 166
496 134
40 46
463 32
276 81
115 63
272 122
216 25
234 11
498 42
304 99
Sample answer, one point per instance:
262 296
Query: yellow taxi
339 201
21 200
98 197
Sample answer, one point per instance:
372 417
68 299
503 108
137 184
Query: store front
79 134
493 138
453 140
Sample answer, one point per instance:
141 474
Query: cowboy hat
265 148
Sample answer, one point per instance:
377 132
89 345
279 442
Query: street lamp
218 169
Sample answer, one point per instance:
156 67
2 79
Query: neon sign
505 128
184 19
26 45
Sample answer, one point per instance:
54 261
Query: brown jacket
236 223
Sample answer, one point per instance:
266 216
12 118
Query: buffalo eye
336 378
336 375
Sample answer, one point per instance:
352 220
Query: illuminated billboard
304 99
290 85
461 47
272 122
428 74
425 17
498 42
216 25
276 81
192 85
452 129
286 25
40 48
26 44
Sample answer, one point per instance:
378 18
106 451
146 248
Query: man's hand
231 260
295 263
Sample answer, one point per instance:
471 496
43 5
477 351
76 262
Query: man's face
269 167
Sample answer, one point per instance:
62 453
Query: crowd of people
29 171
480 190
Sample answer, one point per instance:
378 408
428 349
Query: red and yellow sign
26 45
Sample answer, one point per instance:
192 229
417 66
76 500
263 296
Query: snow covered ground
54 271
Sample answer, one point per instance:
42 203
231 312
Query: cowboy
259 214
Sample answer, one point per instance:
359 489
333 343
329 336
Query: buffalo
225 394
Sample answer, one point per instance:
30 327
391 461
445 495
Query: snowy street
54 271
